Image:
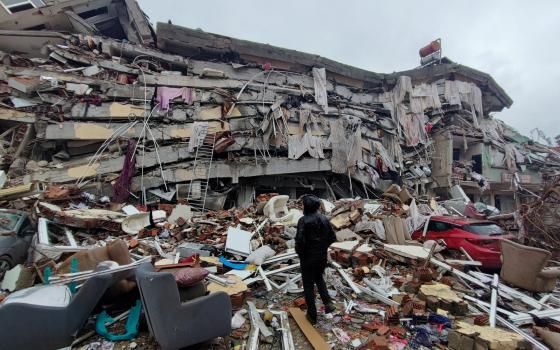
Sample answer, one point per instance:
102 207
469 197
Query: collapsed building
99 110
271 119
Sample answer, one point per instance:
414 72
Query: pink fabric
166 94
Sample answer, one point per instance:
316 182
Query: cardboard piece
231 289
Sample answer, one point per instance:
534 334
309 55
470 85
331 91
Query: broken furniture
277 211
174 324
52 327
116 251
525 267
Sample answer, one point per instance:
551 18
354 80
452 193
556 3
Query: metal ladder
198 189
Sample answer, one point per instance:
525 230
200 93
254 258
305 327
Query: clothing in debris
166 94
314 236
121 188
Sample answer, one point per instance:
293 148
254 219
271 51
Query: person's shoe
330 308
311 320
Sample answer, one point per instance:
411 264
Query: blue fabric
235 266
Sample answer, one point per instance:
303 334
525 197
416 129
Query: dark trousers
312 274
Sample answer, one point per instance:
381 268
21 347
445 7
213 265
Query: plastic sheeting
459 91
415 220
378 148
346 143
396 230
411 120
199 131
320 84
298 145
424 96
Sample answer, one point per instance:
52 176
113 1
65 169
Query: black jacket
314 236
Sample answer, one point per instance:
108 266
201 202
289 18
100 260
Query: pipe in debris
282 269
458 273
346 277
263 276
494 301
509 314
378 296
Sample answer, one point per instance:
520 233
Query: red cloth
428 127
121 188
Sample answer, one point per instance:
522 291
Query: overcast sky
514 41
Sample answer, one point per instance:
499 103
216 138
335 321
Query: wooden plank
310 332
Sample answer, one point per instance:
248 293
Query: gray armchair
173 324
27 326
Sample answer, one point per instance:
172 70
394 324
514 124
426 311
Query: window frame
7 8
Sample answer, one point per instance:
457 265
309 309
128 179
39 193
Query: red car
479 238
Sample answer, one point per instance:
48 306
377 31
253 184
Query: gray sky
514 41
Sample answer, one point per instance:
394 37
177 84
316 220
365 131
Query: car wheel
5 265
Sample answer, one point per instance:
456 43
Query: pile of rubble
156 176
390 291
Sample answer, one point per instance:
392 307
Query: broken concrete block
91 70
78 89
355 216
19 277
26 84
458 341
347 235
181 211
212 73
341 221
486 337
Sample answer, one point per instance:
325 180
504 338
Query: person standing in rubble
313 238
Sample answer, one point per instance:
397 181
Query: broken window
438 226
484 229
456 154
13 6
94 12
477 163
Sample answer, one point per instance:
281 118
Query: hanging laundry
320 84
121 187
166 94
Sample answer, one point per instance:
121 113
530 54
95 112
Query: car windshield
8 221
484 229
